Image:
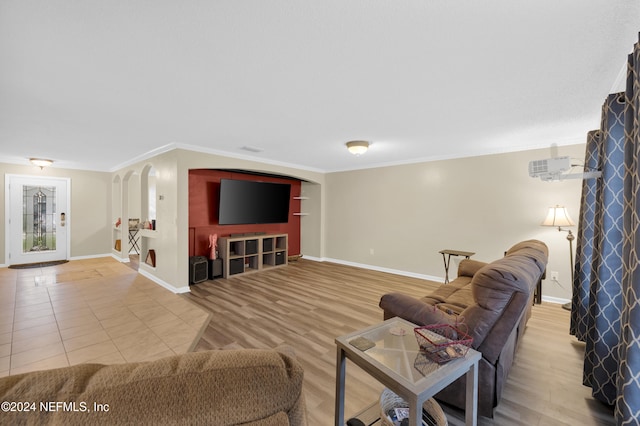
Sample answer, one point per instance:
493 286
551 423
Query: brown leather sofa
493 301
228 387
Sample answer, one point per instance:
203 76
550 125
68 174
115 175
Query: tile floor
94 310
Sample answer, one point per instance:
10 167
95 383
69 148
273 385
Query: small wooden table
134 240
395 361
446 256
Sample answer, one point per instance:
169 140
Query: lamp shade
558 216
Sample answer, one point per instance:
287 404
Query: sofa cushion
414 310
214 387
446 293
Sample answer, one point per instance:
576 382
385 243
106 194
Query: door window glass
38 224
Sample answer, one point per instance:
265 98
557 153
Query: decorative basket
442 342
432 414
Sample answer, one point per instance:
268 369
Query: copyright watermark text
53 406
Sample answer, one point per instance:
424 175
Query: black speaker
198 269
215 268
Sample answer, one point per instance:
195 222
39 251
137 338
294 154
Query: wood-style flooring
307 304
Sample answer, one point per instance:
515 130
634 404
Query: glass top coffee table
395 361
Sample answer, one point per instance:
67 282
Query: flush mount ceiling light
357 147
41 162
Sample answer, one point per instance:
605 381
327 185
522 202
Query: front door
38 219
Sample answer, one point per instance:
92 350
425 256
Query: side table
446 256
393 357
134 240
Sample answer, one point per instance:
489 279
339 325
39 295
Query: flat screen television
248 202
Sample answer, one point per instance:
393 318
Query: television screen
248 202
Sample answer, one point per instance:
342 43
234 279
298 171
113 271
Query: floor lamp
559 217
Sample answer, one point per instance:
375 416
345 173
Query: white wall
89 221
405 214
394 218
400 217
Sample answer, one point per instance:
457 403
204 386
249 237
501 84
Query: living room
390 210
410 250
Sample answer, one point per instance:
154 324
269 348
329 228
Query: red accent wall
204 187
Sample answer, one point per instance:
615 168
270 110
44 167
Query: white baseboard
164 284
376 268
557 300
549 299
93 256
121 259
186 289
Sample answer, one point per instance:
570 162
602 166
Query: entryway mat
38 264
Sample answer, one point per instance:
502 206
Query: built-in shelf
252 253
301 198
117 239
149 233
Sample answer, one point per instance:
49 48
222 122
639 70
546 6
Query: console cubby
251 253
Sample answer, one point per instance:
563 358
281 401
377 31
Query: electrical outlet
554 275
371 252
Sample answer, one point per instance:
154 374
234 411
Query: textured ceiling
96 84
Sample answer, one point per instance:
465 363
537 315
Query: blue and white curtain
606 289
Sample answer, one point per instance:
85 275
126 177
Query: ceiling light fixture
41 162
358 147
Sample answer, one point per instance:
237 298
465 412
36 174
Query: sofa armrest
469 267
413 310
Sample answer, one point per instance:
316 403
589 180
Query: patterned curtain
585 239
605 288
628 401
606 298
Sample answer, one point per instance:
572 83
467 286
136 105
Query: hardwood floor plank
308 304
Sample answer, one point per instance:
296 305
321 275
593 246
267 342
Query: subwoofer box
198 269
